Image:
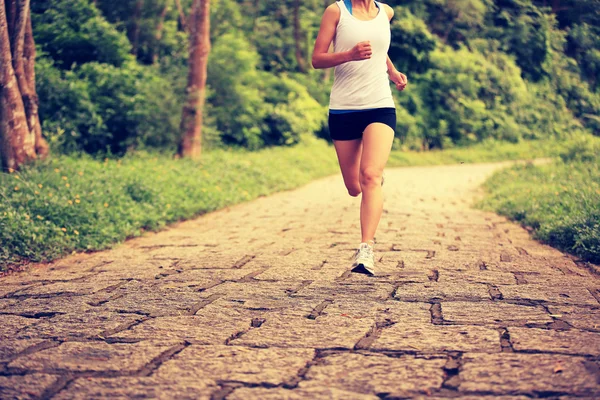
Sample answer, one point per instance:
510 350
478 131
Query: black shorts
351 125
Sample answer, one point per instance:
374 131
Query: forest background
111 81
111 74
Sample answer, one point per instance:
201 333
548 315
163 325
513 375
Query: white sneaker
364 260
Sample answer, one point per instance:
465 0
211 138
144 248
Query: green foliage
412 43
469 97
74 32
478 70
560 201
583 149
102 108
583 43
523 30
253 108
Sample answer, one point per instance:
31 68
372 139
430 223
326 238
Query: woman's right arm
321 57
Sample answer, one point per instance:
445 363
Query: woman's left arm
395 76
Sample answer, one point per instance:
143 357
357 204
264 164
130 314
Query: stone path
256 302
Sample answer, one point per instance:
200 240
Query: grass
559 201
73 204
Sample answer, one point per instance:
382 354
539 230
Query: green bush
411 44
582 149
468 97
73 32
253 108
102 108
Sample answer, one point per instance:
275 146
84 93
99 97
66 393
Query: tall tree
298 38
20 132
135 30
191 119
159 29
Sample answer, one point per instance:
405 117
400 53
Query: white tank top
364 84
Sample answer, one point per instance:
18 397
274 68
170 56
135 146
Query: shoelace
364 253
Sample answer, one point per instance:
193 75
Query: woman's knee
370 176
354 191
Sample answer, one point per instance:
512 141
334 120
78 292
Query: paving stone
297 394
93 357
85 286
55 305
507 373
493 314
550 294
477 276
437 338
6 303
444 291
25 387
202 275
551 341
578 317
77 326
253 289
208 326
11 347
336 329
145 298
10 325
7 288
343 290
258 306
300 273
392 311
556 280
272 366
137 388
376 374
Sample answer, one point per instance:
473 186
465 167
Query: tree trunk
159 30
33 118
191 119
24 53
182 18
17 141
135 29
297 38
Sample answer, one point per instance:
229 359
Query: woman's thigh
377 144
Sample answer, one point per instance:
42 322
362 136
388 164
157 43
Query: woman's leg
348 153
377 144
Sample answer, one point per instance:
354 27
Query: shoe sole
360 269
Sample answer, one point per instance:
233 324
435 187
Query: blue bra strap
348 4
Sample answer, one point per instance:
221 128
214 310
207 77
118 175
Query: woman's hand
399 79
362 51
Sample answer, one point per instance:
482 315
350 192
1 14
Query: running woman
362 114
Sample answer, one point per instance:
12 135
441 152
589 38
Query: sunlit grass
560 201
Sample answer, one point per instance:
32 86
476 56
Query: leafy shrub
74 32
411 43
253 108
99 107
582 149
469 97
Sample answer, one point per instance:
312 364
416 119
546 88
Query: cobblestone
257 301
